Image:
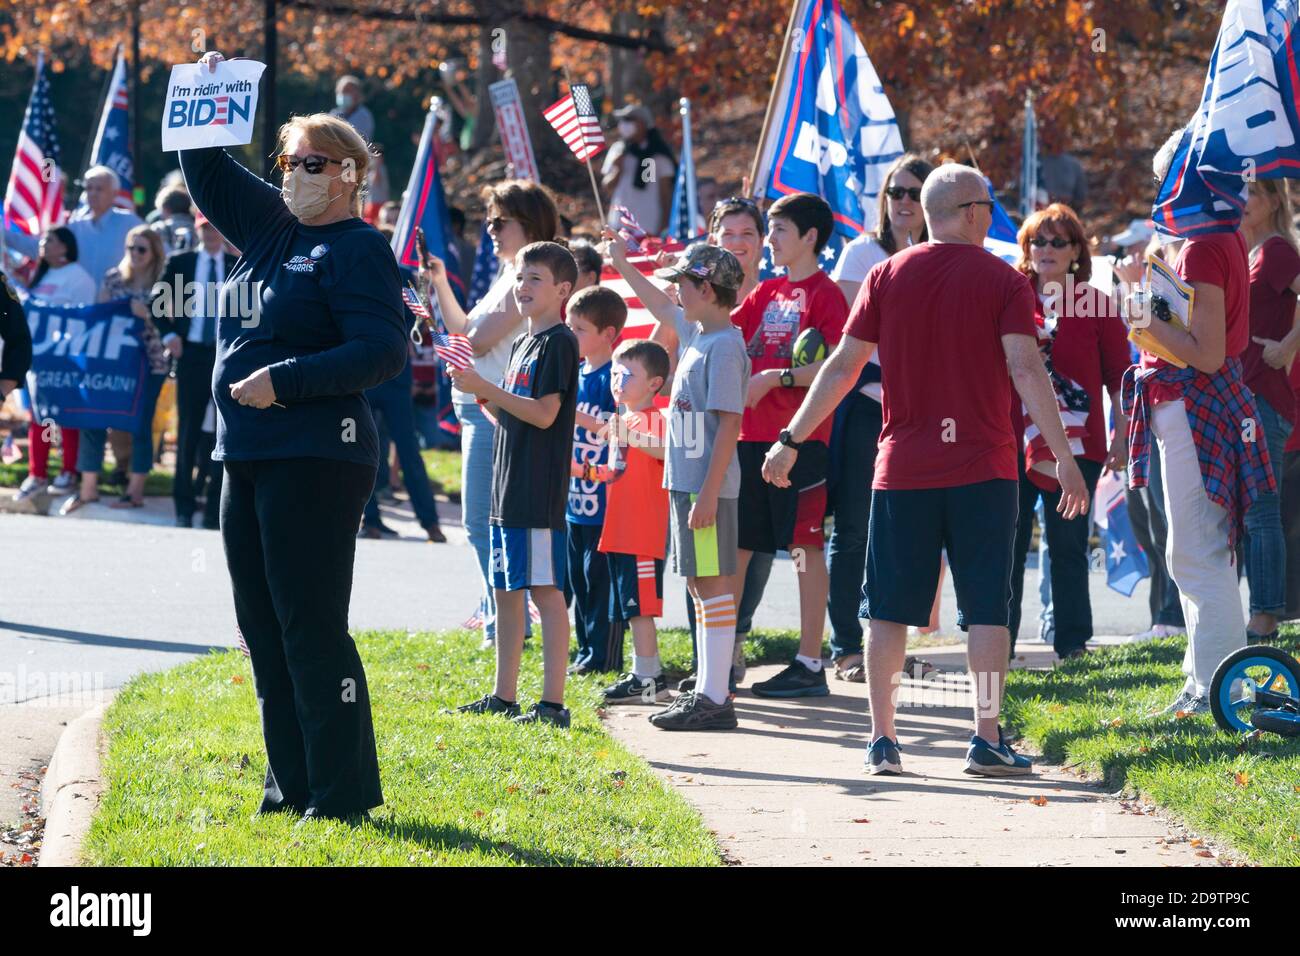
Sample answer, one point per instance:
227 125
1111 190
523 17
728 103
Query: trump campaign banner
516 142
88 365
210 108
112 147
1246 127
829 128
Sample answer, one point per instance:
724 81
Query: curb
71 790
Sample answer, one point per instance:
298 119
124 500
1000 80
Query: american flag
454 349
486 267
413 303
1072 402
34 196
575 119
629 228
640 323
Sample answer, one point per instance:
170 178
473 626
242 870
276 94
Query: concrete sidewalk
788 787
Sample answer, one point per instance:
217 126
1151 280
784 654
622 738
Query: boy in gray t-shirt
702 474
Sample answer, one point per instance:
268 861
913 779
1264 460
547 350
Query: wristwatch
787 378
787 440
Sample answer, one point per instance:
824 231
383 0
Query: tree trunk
484 76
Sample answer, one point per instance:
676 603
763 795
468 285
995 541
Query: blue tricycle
1257 688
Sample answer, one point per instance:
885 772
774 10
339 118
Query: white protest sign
210 108
514 130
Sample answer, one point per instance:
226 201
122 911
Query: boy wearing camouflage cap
701 472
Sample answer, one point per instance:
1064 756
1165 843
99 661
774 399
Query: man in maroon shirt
955 327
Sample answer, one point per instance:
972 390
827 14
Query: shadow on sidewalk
36 632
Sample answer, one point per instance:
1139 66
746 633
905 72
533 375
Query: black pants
193 392
600 637
1067 542
289 527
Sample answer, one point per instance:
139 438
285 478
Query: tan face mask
307 196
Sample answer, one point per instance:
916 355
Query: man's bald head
945 199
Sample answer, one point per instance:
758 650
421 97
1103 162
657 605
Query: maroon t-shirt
938 312
1272 314
1218 258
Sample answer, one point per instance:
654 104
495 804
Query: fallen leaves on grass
236 678
1240 778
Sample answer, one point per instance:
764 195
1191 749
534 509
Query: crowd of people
932 399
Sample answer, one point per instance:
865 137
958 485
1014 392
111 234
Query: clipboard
1163 281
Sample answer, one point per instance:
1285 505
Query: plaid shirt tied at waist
1222 414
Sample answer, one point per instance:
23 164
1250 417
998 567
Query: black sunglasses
497 222
1056 242
977 202
898 192
736 201
313 164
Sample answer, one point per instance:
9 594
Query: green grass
185 765
1092 712
158 483
444 468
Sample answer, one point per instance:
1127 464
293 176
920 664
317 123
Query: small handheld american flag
629 228
574 118
451 347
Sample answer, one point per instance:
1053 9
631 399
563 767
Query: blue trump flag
112 146
830 129
1246 127
424 205
88 365
1126 564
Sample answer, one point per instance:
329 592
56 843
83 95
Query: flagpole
688 165
771 100
595 190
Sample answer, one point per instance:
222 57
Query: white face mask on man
307 196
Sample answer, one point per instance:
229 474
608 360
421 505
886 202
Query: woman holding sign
311 317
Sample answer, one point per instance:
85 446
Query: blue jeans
392 402
853 464
91 455
1265 545
476 499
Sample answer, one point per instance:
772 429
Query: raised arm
240 204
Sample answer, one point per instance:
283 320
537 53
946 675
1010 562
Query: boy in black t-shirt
534 407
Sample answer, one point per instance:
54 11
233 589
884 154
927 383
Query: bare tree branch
652 41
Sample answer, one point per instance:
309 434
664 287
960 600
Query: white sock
718 615
814 664
646 667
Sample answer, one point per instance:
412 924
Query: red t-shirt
771 318
1272 314
636 505
1215 259
938 312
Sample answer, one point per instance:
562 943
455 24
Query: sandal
74 502
917 668
855 673
126 501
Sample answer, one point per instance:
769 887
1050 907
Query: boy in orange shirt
635 535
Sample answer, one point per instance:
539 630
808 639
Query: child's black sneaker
490 704
795 681
632 689
542 713
694 711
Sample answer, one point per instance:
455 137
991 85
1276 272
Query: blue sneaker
985 760
883 757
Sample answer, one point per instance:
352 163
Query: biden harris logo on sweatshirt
308 262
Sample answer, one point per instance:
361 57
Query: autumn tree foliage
1110 77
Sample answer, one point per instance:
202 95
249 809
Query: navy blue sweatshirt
320 306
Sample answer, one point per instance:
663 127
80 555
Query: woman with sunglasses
518 213
311 317
1085 348
132 279
900 224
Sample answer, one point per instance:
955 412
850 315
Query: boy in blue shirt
596 316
